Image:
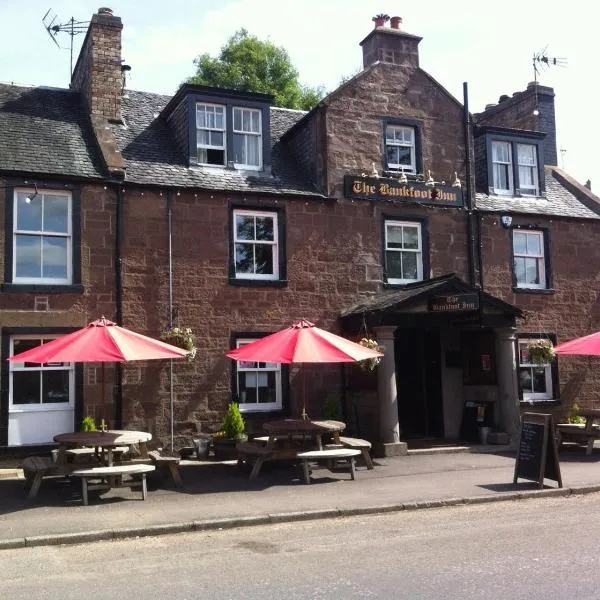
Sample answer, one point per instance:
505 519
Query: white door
41 397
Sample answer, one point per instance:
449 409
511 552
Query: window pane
394 236
520 270
216 138
203 137
237 119
29 213
519 242
26 387
244 227
200 116
403 156
526 154
219 117
246 126
255 127
264 229
239 149
393 155
532 274
253 146
501 180
264 259
54 257
409 265
525 379
55 387
411 237
534 244
244 258
500 152
539 379
394 265
56 214
526 178
28 256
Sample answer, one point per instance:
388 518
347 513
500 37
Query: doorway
419 382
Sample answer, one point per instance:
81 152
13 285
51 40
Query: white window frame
43 234
16 367
419 250
529 396
245 367
540 258
247 135
509 165
274 244
205 128
413 150
534 189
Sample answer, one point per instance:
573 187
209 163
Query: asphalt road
525 549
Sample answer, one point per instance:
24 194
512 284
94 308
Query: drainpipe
170 259
119 299
471 217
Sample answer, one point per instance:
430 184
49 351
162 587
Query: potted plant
574 416
88 424
370 364
541 352
181 337
231 432
381 19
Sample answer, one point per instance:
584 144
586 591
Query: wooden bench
328 455
580 434
168 464
357 444
74 454
114 476
35 468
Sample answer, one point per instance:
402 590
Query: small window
403 252
210 125
247 138
535 380
502 167
42 238
529 259
256 245
528 169
400 148
258 384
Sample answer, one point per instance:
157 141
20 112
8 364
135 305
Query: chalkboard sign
537 456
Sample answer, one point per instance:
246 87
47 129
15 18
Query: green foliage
331 408
181 337
88 424
541 352
248 64
574 416
233 423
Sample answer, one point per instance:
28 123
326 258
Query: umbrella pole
103 400
171 402
304 414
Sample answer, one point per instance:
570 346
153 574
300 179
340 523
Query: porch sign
454 302
386 188
537 456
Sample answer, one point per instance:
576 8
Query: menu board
537 455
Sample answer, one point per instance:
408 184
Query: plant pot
224 448
483 434
202 446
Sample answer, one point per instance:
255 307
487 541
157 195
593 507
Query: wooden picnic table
585 433
103 441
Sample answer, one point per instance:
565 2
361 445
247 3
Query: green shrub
233 423
574 416
88 424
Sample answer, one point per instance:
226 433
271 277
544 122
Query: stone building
387 211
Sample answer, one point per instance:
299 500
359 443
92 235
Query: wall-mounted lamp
456 183
430 182
506 221
30 197
403 178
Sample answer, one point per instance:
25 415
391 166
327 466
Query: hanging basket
181 337
370 364
541 352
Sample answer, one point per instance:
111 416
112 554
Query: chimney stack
390 45
97 74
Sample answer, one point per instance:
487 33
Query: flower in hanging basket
541 352
370 364
182 337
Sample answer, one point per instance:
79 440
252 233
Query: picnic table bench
35 468
330 456
579 433
113 477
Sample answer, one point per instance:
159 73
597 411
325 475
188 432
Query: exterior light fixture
456 183
403 178
374 172
506 221
430 182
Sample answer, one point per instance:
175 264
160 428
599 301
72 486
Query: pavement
219 495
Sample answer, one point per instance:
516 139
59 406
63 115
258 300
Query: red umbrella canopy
588 344
101 341
303 342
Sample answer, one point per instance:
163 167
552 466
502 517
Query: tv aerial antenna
71 27
541 60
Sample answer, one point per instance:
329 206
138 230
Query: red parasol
303 342
587 345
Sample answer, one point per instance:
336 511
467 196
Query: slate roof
46 131
152 157
559 202
391 300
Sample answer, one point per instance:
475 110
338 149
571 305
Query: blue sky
490 45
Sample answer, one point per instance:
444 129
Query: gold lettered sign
454 302
385 188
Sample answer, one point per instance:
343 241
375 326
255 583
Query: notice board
537 455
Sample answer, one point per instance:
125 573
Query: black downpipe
119 300
469 190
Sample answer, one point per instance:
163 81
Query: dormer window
210 125
502 161
528 169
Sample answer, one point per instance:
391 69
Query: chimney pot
490 106
503 98
395 22
104 10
